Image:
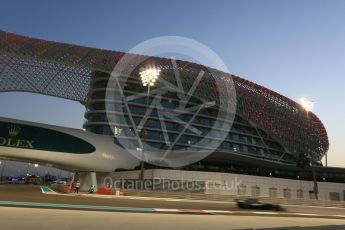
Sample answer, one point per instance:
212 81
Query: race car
251 203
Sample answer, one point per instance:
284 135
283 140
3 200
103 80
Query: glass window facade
237 136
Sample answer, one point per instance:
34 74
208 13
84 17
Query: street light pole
36 171
27 169
142 169
316 190
148 78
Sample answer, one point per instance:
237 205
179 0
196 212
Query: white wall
227 183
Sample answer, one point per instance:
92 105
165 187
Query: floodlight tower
308 106
148 77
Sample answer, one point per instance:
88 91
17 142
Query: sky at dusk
294 47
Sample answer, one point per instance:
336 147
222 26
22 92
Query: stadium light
148 77
308 105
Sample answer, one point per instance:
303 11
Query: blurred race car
252 203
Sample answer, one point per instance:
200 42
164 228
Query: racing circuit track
122 209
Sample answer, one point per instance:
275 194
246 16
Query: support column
72 181
94 180
87 179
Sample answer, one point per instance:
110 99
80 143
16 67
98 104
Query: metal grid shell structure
65 71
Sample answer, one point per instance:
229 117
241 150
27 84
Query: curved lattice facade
267 124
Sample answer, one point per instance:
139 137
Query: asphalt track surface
13 218
25 193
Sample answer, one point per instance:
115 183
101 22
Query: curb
47 190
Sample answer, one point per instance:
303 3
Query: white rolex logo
13 130
12 141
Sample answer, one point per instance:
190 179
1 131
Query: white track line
166 210
306 214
